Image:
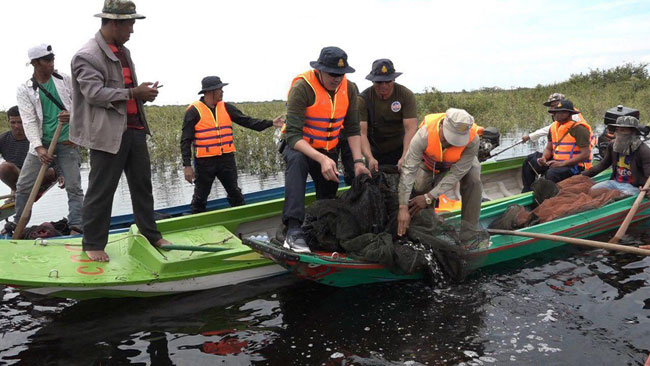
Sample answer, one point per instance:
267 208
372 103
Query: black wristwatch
359 161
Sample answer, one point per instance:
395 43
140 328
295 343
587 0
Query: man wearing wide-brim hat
628 157
448 143
388 117
108 117
568 151
321 108
208 132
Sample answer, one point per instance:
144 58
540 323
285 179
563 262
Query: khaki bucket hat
119 9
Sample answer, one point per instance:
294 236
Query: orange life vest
566 148
212 136
324 118
434 156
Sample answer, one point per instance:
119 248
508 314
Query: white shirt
31 111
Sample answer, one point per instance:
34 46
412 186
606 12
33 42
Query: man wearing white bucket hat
445 142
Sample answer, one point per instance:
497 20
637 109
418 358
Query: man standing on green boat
40 101
448 143
321 106
388 117
108 118
208 126
628 157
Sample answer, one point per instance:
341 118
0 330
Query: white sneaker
295 241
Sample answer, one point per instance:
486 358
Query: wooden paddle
39 179
628 219
575 241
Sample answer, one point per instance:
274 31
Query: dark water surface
566 307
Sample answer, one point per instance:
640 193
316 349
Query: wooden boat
58 267
338 270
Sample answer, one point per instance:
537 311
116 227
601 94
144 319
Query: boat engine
489 140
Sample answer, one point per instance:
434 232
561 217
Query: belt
68 143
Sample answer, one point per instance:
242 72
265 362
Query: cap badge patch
396 106
341 63
384 70
559 104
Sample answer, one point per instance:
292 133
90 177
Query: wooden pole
6 196
39 179
575 241
628 219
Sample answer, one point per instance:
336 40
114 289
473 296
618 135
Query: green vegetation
511 111
521 110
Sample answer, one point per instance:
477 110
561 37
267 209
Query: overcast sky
259 46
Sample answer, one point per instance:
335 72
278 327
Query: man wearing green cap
321 106
388 117
109 119
628 157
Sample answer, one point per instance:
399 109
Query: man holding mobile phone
108 118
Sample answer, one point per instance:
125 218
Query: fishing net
574 195
362 222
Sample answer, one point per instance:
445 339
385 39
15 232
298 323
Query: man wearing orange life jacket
207 126
568 151
321 106
449 139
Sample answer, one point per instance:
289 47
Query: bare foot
97 255
161 242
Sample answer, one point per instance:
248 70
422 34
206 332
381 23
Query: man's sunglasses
335 75
384 82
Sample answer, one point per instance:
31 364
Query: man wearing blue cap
321 107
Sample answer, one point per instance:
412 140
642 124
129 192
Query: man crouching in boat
628 157
208 126
444 141
321 103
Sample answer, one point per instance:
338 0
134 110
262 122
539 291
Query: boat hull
339 271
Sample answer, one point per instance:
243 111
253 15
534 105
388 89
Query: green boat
337 270
216 258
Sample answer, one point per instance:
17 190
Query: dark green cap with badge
332 60
383 70
564 106
119 9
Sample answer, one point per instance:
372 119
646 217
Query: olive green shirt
302 96
386 131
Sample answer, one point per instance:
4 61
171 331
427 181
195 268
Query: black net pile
362 222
